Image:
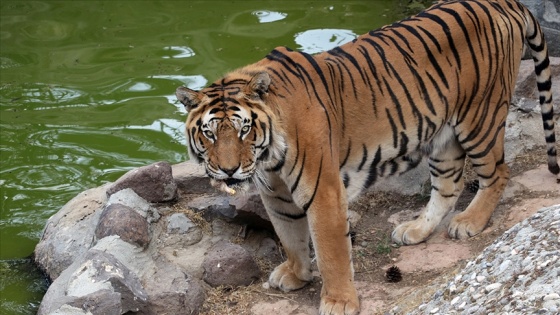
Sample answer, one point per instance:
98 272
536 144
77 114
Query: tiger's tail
539 51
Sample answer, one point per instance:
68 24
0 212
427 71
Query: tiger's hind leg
487 157
446 162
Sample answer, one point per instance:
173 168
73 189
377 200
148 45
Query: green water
87 93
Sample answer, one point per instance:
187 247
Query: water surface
87 93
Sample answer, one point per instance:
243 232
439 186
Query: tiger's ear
189 98
258 86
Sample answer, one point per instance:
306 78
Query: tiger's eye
245 129
209 134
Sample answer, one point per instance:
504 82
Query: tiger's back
404 82
315 131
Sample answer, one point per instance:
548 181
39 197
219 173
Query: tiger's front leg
326 221
290 224
330 232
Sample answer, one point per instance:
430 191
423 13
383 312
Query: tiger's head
230 129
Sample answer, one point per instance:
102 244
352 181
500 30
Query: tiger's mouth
230 185
232 182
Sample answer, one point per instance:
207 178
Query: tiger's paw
285 279
410 233
345 304
463 226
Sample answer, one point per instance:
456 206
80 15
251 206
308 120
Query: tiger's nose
230 171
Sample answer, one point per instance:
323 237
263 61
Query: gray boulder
526 94
230 265
153 182
547 13
117 219
97 283
69 233
172 291
131 199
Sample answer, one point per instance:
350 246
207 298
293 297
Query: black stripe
404 144
296 182
290 216
308 204
364 157
347 154
393 128
372 175
346 180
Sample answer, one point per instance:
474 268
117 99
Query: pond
87 93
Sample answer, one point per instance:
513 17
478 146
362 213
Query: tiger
314 131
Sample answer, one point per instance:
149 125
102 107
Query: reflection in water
319 40
183 52
266 16
140 86
44 93
195 82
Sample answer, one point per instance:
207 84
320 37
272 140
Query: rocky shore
518 274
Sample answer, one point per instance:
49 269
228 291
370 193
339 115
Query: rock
547 13
229 264
178 223
172 291
153 182
268 249
526 94
117 219
250 210
131 199
98 283
99 302
191 177
212 206
243 208
410 183
181 231
69 233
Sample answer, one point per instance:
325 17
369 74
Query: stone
250 210
243 208
526 94
547 13
410 183
268 249
492 287
153 182
172 291
178 223
117 219
97 283
551 296
191 178
212 206
69 233
104 302
229 264
131 199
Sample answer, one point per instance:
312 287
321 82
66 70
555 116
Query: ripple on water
21 283
47 30
318 40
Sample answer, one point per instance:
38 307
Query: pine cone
393 274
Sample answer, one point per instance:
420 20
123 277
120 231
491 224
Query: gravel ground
518 274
